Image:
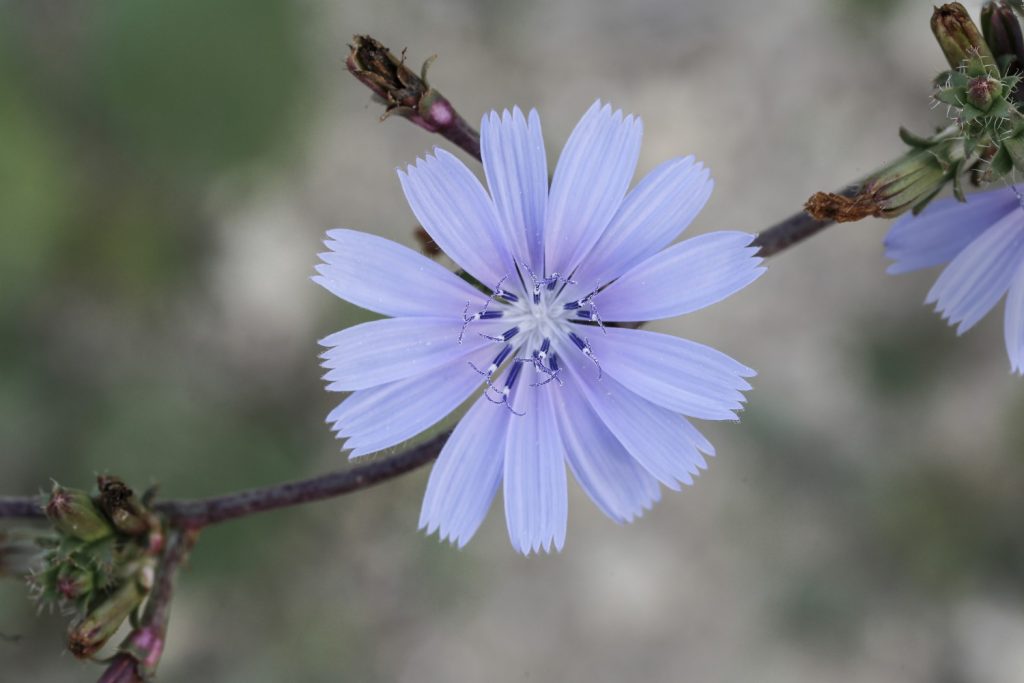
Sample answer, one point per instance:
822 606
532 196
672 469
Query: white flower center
537 311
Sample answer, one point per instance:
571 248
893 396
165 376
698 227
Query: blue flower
982 240
560 385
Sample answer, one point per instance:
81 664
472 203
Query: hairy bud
982 91
74 514
73 582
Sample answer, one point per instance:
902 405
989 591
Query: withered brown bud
406 93
908 183
124 509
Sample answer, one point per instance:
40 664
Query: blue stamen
505 336
510 381
513 375
503 355
584 346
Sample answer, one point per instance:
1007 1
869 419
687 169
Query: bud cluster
984 99
978 94
100 566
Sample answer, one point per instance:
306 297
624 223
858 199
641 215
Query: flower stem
795 229
21 507
195 514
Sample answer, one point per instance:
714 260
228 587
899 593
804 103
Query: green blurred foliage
117 115
117 118
194 87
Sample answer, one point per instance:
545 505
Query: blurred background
167 170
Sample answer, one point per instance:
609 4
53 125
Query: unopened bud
982 91
124 509
1002 32
958 35
91 632
74 514
74 582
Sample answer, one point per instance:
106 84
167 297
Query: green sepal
1015 148
919 207
914 140
1001 164
958 184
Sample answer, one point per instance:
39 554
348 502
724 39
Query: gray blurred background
167 170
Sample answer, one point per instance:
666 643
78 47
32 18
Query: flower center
538 310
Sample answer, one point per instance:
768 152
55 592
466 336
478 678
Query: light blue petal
590 180
674 373
652 215
516 166
944 229
384 416
1014 322
383 351
617 484
385 277
466 475
660 440
455 210
978 277
536 490
683 278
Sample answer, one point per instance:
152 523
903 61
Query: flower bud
982 91
90 633
128 514
74 582
74 514
958 35
1002 33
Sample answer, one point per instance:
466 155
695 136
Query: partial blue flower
982 240
556 385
